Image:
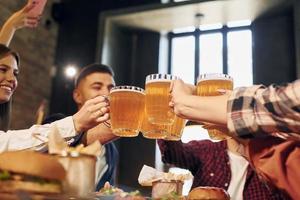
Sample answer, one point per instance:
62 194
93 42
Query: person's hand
22 18
221 128
179 90
93 112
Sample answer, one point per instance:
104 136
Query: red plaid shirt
209 163
258 111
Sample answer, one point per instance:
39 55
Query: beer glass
127 105
158 98
152 131
207 85
175 130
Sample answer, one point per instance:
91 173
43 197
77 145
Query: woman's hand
22 18
18 20
93 112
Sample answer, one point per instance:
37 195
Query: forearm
203 109
101 133
178 154
6 34
259 111
35 136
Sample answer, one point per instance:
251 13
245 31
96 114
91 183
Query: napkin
148 175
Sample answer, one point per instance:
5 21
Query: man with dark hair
97 80
92 81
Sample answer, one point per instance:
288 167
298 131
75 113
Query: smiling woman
9 63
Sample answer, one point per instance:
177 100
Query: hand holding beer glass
127 105
208 85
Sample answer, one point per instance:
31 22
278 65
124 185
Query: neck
233 146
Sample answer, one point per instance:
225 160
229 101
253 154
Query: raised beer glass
158 98
127 105
207 85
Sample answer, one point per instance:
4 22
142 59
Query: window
212 48
183 57
211 54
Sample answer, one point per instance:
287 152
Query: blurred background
255 41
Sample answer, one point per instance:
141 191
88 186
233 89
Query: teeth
6 88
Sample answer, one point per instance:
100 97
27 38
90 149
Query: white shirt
101 165
35 136
238 167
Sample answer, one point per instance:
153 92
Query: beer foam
127 90
206 77
160 78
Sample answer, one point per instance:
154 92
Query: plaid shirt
209 163
258 111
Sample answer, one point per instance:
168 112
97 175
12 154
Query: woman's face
8 77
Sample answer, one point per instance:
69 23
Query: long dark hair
5 108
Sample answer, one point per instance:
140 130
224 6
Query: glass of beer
174 131
207 85
152 131
127 105
158 98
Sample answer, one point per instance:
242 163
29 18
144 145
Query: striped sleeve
259 111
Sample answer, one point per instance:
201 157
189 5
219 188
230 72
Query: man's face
93 85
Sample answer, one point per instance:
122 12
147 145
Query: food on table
30 171
208 193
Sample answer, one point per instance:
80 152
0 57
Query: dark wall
274 58
77 41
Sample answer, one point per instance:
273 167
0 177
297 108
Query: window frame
196 33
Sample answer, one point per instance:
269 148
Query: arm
101 133
260 111
196 108
35 136
90 115
17 21
182 155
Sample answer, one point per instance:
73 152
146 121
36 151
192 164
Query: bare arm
101 133
17 21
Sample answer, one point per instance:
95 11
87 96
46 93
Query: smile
7 88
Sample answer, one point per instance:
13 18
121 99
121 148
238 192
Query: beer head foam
127 88
214 76
160 78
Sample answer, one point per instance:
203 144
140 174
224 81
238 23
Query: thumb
29 6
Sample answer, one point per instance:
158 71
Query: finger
97 100
223 91
171 86
103 118
32 18
33 24
96 107
28 7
